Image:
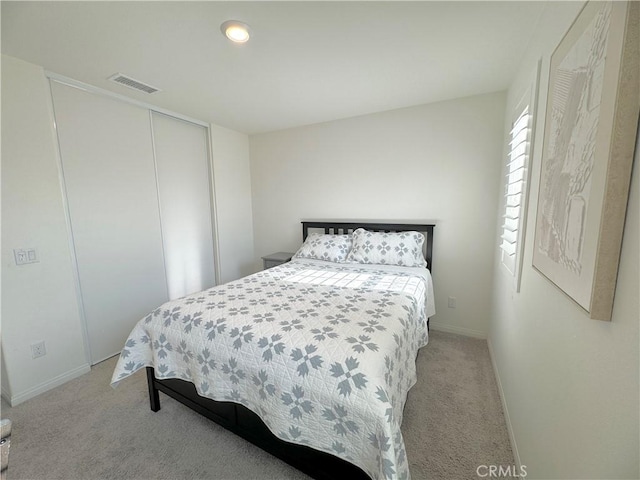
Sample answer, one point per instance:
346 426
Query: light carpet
86 430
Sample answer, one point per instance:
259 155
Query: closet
138 193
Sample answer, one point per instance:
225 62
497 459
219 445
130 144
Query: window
515 185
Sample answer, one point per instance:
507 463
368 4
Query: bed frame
243 422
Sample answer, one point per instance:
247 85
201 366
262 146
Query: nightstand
276 259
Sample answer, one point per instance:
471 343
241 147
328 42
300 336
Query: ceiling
306 62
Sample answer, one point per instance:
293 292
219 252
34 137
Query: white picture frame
589 136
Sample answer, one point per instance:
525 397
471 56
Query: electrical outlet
24 256
38 350
20 256
452 302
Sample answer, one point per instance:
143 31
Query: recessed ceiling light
235 31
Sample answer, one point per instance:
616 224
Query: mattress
323 352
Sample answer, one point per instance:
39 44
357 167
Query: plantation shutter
514 187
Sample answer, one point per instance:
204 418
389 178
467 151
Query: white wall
439 162
39 300
570 384
232 185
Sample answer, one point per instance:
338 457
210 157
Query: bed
310 360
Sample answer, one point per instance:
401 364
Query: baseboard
467 332
6 395
43 387
507 419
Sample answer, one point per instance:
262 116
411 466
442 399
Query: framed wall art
591 123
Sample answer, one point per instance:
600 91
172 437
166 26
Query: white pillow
396 248
319 246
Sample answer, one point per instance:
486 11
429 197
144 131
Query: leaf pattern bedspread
324 353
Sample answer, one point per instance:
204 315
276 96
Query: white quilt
324 353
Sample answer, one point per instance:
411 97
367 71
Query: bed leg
154 394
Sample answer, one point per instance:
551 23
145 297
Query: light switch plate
24 256
32 255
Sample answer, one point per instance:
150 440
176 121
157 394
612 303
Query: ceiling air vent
133 83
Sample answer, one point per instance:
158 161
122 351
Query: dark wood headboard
341 228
